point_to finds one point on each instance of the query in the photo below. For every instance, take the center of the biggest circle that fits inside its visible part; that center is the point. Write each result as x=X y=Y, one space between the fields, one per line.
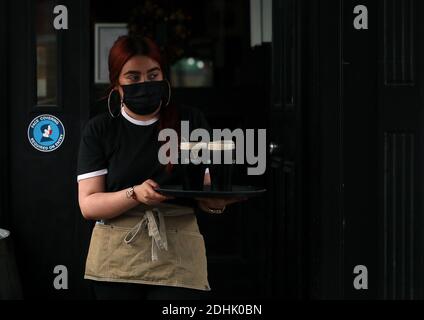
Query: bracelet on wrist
x=131 y=193
x=215 y=211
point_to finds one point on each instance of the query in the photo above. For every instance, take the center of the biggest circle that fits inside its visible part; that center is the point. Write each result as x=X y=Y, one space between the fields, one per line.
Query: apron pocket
x=110 y=257
x=191 y=253
x=97 y=253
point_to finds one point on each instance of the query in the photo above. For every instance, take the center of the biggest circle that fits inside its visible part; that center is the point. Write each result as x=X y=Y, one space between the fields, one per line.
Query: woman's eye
x=152 y=76
x=133 y=78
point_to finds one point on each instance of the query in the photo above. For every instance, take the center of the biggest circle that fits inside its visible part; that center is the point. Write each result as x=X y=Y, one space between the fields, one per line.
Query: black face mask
x=145 y=98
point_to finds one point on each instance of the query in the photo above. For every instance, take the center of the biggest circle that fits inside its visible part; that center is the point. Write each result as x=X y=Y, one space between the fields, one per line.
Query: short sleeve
x=91 y=156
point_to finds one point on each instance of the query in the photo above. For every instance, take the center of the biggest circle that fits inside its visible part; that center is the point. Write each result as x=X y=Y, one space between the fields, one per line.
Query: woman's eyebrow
x=153 y=69
x=132 y=72
x=138 y=72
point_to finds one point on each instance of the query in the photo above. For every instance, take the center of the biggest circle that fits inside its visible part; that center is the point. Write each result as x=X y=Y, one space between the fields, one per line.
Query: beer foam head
x=193 y=145
x=221 y=145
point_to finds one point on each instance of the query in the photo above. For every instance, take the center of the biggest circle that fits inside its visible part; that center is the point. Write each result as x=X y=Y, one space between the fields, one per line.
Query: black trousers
x=132 y=291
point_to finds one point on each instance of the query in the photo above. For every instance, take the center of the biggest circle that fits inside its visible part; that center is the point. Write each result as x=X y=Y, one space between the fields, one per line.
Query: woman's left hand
x=217 y=203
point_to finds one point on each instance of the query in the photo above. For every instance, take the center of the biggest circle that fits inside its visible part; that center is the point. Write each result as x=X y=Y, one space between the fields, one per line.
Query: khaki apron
x=158 y=245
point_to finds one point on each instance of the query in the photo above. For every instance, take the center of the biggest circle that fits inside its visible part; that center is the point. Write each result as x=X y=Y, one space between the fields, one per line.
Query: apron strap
x=157 y=233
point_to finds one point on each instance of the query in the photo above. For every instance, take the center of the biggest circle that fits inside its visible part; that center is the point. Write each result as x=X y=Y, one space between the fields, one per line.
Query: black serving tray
x=237 y=191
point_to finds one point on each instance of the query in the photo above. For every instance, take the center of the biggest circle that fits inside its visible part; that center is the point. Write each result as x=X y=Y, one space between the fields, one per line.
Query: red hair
x=126 y=47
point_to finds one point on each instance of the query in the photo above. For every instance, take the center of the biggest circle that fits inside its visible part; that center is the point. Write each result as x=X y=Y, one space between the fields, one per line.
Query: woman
x=144 y=244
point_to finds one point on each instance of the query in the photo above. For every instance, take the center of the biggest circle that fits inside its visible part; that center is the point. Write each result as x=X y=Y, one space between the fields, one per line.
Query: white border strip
x=91 y=174
x=97 y=50
x=255 y=23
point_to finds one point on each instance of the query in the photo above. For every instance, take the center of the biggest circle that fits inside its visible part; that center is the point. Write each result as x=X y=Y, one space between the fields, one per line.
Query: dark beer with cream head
x=193 y=169
x=222 y=156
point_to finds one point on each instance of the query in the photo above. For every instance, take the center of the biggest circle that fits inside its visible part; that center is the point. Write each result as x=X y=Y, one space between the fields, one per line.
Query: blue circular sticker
x=46 y=133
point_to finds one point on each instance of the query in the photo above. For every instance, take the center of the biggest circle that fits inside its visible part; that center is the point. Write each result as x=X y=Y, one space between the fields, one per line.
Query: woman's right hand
x=146 y=194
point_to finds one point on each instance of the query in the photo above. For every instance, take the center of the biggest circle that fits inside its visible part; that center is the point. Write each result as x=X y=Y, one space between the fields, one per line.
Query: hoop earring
x=169 y=92
x=160 y=104
x=108 y=105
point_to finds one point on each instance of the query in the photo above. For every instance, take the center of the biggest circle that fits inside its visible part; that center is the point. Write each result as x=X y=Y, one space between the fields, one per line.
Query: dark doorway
x=234 y=94
x=342 y=108
x=55 y=70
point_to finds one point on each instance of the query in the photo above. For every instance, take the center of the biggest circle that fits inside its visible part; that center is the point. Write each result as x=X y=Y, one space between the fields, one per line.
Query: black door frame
x=338 y=233
x=289 y=176
x=306 y=120
x=74 y=81
x=4 y=123
x=325 y=105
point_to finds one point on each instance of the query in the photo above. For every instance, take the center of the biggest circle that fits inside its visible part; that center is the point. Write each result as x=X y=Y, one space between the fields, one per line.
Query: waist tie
x=157 y=233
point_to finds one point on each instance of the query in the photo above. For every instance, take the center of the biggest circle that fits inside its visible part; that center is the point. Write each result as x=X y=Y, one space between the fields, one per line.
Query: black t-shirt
x=126 y=150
